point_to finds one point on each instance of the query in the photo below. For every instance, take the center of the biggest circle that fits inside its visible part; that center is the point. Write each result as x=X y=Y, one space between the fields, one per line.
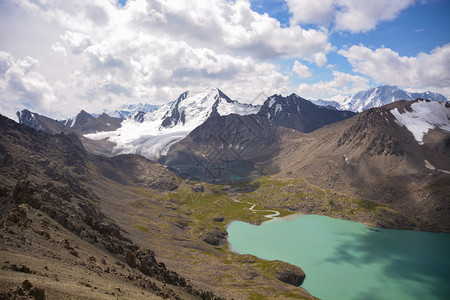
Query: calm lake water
x=346 y=260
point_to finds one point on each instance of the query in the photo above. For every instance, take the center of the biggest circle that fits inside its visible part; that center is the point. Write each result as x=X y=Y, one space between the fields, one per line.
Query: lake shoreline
x=351 y=251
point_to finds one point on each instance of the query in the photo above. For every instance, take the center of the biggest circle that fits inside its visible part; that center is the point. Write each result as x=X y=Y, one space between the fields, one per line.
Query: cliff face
x=300 y=114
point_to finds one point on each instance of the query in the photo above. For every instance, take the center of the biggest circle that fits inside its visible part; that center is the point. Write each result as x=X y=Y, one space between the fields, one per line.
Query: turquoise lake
x=344 y=260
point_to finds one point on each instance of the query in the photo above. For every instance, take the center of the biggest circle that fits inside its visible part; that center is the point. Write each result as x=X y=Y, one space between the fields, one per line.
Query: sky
x=58 y=57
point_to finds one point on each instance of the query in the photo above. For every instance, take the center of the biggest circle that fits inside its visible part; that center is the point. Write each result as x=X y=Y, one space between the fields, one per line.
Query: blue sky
x=57 y=57
x=419 y=28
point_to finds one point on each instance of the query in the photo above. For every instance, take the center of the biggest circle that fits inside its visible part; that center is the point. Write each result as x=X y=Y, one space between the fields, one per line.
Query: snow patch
x=429 y=166
x=271 y=101
x=226 y=108
x=278 y=108
x=424 y=116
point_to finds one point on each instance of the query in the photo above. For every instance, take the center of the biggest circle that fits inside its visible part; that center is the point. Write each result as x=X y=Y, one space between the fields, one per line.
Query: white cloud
x=232 y=25
x=76 y=41
x=341 y=85
x=346 y=15
x=20 y=83
x=387 y=66
x=320 y=59
x=301 y=70
x=58 y=48
x=152 y=50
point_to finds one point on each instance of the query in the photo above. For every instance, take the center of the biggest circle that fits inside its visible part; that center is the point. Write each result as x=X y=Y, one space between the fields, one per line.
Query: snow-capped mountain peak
x=193 y=106
x=152 y=134
x=377 y=97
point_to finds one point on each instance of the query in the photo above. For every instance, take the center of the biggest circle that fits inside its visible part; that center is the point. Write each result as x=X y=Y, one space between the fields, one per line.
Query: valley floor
x=186 y=228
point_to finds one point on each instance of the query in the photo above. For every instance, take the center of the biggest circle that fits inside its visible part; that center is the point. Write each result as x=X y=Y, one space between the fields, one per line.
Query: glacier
x=170 y=123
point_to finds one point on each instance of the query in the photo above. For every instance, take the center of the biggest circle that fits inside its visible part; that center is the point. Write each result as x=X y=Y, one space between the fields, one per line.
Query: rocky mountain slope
x=374 y=156
x=377 y=97
x=300 y=114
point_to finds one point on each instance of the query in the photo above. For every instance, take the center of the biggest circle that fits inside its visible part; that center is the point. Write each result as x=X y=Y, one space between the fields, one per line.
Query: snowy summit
x=377 y=97
x=157 y=130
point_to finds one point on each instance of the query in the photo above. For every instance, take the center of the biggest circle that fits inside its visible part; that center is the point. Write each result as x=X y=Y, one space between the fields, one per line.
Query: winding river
x=348 y=260
x=273 y=213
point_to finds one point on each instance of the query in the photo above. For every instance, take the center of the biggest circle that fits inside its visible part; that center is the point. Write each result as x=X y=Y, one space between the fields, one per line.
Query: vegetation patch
x=142 y=228
x=369 y=205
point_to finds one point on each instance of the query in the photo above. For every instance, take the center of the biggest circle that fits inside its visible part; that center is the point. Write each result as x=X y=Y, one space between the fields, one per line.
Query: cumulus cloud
x=346 y=15
x=301 y=70
x=58 y=48
x=231 y=24
x=431 y=70
x=76 y=41
x=21 y=83
x=342 y=84
x=152 y=50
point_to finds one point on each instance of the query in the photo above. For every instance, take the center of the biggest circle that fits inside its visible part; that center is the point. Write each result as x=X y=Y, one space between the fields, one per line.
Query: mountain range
x=144 y=201
x=153 y=133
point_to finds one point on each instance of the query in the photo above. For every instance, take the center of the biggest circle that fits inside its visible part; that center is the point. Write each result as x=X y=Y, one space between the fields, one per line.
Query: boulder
x=198 y=188
x=287 y=273
x=214 y=236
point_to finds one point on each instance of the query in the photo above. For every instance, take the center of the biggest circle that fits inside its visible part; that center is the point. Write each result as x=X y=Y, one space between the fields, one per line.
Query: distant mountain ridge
x=127 y=110
x=377 y=97
x=82 y=123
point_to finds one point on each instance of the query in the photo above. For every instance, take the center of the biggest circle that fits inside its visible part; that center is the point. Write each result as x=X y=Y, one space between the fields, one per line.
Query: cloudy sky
x=57 y=56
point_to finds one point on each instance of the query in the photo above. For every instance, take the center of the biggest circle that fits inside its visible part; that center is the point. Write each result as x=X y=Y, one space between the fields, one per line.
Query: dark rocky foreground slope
x=52 y=225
